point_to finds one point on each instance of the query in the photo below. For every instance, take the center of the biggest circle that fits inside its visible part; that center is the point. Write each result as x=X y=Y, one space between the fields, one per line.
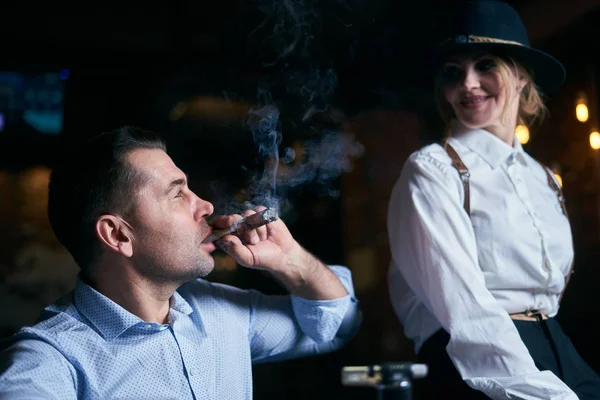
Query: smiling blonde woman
x=480 y=239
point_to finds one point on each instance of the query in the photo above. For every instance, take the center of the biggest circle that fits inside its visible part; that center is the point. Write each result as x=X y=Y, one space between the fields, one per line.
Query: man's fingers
x=233 y=246
x=225 y=221
x=250 y=237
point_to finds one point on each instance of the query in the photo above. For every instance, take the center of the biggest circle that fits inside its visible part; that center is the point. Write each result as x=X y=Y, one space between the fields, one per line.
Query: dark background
x=192 y=70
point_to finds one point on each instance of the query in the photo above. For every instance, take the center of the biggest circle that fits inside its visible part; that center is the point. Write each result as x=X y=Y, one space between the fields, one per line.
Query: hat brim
x=548 y=73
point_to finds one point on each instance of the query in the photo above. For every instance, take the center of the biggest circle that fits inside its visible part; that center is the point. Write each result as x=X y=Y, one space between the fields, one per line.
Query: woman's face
x=473 y=86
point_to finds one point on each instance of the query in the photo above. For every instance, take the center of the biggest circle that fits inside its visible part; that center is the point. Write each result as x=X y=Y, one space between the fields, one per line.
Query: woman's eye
x=485 y=65
x=451 y=74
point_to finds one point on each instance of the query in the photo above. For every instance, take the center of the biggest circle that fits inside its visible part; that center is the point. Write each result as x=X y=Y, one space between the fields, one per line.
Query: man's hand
x=272 y=248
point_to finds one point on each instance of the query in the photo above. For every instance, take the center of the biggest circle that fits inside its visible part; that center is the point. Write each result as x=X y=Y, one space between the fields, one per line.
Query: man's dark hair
x=91 y=180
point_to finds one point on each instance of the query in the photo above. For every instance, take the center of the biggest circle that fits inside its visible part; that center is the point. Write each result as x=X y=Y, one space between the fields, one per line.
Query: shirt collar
x=519 y=151
x=488 y=146
x=108 y=317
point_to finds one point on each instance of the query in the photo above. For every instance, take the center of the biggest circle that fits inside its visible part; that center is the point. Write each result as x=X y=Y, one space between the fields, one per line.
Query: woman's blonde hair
x=532 y=109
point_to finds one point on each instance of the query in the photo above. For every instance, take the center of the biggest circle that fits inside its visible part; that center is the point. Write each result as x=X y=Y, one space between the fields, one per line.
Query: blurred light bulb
x=522 y=133
x=595 y=140
x=581 y=112
x=558 y=178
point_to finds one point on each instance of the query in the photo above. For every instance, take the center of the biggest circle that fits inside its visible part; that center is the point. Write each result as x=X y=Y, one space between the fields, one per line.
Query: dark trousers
x=548 y=345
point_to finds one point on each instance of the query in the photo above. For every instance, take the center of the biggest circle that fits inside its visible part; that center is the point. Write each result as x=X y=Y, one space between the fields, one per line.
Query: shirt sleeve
x=284 y=327
x=34 y=370
x=433 y=244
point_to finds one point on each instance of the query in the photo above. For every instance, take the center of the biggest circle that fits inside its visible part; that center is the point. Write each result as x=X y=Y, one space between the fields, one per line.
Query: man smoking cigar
x=142 y=322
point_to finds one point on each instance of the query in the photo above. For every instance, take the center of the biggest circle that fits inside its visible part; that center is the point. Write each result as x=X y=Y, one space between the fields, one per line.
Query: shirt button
x=191 y=372
x=148 y=326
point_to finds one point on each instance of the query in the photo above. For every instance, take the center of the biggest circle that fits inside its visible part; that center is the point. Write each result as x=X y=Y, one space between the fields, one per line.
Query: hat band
x=460 y=39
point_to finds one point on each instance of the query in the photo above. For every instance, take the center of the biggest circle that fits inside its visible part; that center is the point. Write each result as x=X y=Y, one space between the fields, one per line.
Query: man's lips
x=210 y=246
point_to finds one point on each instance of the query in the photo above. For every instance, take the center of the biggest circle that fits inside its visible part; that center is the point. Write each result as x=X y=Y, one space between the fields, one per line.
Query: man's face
x=169 y=222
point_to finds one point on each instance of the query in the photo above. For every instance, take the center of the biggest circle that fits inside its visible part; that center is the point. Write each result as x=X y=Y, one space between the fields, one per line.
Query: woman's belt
x=529 y=315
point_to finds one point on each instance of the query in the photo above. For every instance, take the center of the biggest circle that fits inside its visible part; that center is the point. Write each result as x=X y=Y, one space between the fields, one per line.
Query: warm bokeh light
x=224 y=263
x=581 y=112
x=522 y=133
x=558 y=178
x=210 y=108
x=595 y=140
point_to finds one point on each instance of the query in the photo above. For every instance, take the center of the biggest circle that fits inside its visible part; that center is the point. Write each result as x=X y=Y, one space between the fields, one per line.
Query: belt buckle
x=534 y=314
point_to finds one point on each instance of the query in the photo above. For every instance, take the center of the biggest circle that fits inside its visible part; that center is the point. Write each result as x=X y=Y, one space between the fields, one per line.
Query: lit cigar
x=247 y=224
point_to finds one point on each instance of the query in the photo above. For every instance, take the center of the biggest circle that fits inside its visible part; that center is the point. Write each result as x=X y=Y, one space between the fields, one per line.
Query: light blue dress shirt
x=88 y=347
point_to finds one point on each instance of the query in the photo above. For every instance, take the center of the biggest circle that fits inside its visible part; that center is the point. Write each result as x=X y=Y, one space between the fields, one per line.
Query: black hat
x=496 y=27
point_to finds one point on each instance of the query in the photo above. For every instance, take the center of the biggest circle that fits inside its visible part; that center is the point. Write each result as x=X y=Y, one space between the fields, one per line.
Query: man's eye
x=485 y=64
x=179 y=194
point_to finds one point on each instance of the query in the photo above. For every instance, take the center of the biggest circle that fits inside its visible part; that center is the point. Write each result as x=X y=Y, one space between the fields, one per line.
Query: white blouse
x=466 y=274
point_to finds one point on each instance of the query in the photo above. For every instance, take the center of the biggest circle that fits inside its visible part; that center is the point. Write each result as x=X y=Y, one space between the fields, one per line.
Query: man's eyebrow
x=176 y=183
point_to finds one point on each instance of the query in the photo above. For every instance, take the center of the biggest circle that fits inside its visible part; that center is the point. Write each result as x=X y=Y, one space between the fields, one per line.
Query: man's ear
x=115 y=233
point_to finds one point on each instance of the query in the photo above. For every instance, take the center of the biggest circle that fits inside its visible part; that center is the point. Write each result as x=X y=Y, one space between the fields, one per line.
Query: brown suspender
x=554 y=185
x=465 y=175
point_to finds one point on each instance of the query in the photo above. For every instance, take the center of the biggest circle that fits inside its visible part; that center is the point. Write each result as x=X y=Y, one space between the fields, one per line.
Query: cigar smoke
x=308 y=81
x=247 y=224
x=266 y=131
x=298 y=72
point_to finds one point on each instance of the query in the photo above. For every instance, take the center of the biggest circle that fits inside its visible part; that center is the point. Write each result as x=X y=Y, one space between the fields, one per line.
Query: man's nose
x=203 y=210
